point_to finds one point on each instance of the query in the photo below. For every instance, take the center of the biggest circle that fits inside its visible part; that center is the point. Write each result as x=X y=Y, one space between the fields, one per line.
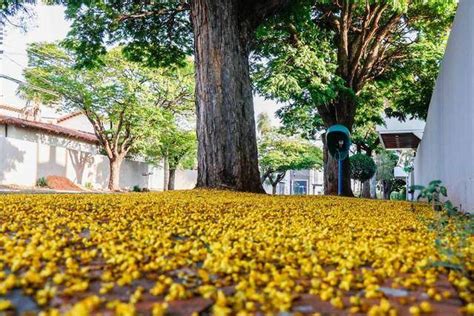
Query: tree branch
x=144 y=14
x=377 y=42
x=255 y=12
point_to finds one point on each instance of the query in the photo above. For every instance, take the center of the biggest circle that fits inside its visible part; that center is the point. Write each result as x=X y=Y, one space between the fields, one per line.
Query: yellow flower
x=159 y=309
x=201 y=244
x=337 y=302
x=5 y=304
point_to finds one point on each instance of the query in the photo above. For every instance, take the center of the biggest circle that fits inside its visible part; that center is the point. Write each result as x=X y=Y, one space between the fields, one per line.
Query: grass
x=223 y=253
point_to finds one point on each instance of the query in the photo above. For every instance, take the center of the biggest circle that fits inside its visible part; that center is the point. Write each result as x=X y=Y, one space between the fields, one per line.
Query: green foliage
x=399 y=195
x=41 y=182
x=136 y=188
x=432 y=193
x=454 y=231
x=177 y=145
x=362 y=167
x=298 y=61
x=386 y=161
x=264 y=124
x=88 y=186
x=125 y=102
x=295 y=63
x=279 y=154
x=13 y=9
x=156 y=33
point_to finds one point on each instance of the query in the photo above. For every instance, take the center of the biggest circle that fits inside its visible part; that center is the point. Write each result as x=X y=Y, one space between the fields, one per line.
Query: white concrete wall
x=78 y=123
x=17 y=162
x=9 y=112
x=185 y=179
x=447 y=149
x=26 y=155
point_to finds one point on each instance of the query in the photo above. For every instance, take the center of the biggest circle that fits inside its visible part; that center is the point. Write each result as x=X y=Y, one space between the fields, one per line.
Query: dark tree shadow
x=101 y=174
x=51 y=167
x=11 y=155
x=79 y=160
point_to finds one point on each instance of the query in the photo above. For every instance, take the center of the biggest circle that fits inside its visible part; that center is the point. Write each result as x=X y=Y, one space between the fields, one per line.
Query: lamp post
x=338 y=140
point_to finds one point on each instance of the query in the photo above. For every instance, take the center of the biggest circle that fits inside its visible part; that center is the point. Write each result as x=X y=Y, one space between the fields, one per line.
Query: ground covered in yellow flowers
x=223 y=253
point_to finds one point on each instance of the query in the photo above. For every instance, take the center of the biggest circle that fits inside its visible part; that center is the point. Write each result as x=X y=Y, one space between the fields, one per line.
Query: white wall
x=185 y=179
x=26 y=155
x=17 y=161
x=78 y=123
x=447 y=149
x=9 y=112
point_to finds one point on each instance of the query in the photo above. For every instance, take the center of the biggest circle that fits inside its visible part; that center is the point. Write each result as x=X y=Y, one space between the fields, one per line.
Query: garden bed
x=223 y=253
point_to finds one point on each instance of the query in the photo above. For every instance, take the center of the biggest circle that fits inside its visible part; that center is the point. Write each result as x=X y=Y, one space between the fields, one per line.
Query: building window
x=300 y=187
x=281 y=188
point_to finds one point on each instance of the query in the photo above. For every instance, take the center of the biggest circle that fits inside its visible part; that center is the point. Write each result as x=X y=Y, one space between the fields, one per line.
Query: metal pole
x=339 y=177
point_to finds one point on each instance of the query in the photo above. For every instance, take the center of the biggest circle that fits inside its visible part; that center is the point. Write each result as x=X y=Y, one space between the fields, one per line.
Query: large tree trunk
x=172 y=176
x=227 y=151
x=114 y=177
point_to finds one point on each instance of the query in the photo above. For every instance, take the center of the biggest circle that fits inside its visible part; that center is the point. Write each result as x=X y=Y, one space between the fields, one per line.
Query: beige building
x=32 y=147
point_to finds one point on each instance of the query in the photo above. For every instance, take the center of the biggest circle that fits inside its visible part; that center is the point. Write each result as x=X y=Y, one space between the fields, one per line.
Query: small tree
x=386 y=162
x=177 y=148
x=279 y=154
x=362 y=167
x=125 y=102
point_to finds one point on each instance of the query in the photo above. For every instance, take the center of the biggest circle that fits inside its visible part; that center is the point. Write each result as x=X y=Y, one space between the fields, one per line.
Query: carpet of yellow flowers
x=222 y=253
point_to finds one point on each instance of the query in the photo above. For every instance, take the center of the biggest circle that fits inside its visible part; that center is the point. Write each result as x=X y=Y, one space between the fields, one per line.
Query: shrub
x=41 y=182
x=89 y=186
x=432 y=193
x=399 y=195
x=363 y=167
x=136 y=188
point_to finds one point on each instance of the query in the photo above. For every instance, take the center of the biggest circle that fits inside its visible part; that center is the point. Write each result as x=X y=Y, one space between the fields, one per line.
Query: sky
x=49 y=25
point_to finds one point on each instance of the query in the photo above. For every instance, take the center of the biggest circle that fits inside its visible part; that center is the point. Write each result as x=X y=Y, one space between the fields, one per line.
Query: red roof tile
x=49 y=129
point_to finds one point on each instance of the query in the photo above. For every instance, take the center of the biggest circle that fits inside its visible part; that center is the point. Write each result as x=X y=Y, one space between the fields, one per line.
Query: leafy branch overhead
x=126 y=103
x=328 y=60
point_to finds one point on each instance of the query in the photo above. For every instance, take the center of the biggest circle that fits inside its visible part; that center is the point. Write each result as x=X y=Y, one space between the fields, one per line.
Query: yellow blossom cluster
x=224 y=253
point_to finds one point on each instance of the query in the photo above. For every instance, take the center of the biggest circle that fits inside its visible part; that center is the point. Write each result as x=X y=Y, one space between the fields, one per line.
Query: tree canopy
x=362 y=167
x=337 y=61
x=279 y=154
x=125 y=102
x=219 y=34
x=177 y=147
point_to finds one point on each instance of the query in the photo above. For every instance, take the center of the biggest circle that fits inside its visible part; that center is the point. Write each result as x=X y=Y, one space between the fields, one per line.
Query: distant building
x=299 y=182
x=32 y=147
x=401 y=137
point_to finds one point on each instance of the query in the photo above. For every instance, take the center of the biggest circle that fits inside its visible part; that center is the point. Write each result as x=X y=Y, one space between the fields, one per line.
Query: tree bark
x=366 y=189
x=387 y=187
x=171 y=178
x=274 y=188
x=114 y=178
x=165 y=173
x=227 y=147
